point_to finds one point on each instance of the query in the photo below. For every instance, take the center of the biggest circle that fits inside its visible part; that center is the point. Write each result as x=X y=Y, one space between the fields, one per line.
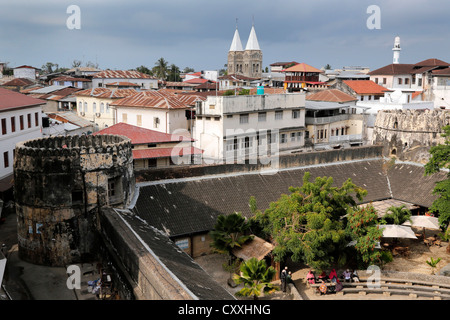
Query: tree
x=160 y=69
x=173 y=73
x=49 y=67
x=396 y=215
x=188 y=70
x=440 y=159
x=327 y=67
x=256 y=277
x=433 y=264
x=307 y=223
x=76 y=63
x=145 y=70
x=362 y=228
x=229 y=232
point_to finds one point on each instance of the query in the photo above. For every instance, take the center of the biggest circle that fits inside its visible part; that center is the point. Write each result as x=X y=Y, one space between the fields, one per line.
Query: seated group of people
x=347 y=276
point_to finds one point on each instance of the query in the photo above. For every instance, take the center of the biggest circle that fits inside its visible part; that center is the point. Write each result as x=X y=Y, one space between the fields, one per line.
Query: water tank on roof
x=260 y=90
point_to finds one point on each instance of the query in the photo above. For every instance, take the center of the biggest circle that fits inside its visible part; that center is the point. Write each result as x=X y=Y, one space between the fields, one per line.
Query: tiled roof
x=106 y=93
x=445 y=72
x=365 y=87
x=192 y=206
x=67 y=78
x=121 y=74
x=12 y=100
x=197 y=81
x=152 y=153
x=158 y=99
x=122 y=84
x=282 y=64
x=139 y=135
x=331 y=95
x=393 y=69
x=302 y=67
x=18 y=82
x=236 y=77
x=432 y=63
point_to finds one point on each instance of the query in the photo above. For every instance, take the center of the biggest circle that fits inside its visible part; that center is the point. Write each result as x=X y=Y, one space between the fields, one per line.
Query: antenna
x=236 y=23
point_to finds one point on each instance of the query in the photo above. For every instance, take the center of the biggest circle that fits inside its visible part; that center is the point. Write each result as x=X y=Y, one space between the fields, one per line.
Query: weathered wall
x=275 y=163
x=60 y=182
x=409 y=134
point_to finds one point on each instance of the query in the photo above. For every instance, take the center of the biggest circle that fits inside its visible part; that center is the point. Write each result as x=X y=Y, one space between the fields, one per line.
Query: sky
x=123 y=35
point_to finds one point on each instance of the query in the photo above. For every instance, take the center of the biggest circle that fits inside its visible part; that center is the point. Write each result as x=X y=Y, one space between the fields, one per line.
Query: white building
x=20 y=120
x=145 y=81
x=25 y=72
x=249 y=126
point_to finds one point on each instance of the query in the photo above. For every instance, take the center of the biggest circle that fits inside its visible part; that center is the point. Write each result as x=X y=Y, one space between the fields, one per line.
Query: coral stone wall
x=409 y=134
x=60 y=183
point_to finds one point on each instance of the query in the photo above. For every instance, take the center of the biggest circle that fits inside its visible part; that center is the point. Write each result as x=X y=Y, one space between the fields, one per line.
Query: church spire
x=236 y=44
x=252 y=43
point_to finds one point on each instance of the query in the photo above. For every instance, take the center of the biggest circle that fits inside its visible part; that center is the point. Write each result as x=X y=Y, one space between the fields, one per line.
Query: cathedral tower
x=246 y=62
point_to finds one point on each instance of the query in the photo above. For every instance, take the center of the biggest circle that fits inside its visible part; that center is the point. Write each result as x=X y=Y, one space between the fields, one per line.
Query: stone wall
x=292 y=160
x=59 y=184
x=409 y=134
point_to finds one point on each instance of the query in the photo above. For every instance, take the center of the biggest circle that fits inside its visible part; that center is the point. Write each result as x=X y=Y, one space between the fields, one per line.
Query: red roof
x=164 y=152
x=14 y=100
x=331 y=95
x=302 y=67
x=197 y=80
x=432 y=63
x=139 y=135
x=107 y=93
x=365 y=87
x=18 y=82
x=122 y=74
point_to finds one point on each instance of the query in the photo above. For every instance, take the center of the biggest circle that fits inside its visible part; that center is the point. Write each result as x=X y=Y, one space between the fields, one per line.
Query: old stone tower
x=60 y=184
x=246 y=62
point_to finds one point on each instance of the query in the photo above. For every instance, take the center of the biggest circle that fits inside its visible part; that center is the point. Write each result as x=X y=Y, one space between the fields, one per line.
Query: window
x=413 y=81
x=278 y=115
x=376 y=80
x=107 y=107
x=283 y=138
x=299 y=136
x=139 y=120
x=295 y=114
x=406 y=80
x=21 y=122
x=102 y=107
x=293 y=136
x=400 y=80
x=124 y=118
x=229 y=116
x=212 y=106
x=6 y=159
x=384 y=80
x=13 y=124
x=262 y=116
x=29 y=120
x=419 y=82
x=4 y=131
x=36 y=119
x=243 y=118
x=85 y=107
x=152 y=163
x=155 y=122
x=94 y=107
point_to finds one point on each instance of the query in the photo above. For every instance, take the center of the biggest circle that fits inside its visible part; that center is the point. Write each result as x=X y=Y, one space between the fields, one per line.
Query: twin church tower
x=248 y=62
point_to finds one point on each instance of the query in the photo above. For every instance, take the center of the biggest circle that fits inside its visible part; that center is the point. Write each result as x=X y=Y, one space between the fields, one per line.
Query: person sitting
x=347 y=276
x=333 y=276
x=311 y=277
x=355 y=277
x=323 y=288
x=323 y=276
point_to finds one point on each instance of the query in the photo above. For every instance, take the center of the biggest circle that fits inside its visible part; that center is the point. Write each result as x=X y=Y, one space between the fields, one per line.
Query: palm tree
x=160 y=69
x=397 y=215
x=256 y=277
x=229 y=232
x=174 y=73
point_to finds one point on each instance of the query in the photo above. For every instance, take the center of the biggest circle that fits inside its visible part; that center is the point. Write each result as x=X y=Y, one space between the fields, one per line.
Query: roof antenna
x=253 y=20
x=236 y=22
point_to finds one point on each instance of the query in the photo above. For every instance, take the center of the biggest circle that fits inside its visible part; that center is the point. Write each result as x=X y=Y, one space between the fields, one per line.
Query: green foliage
x=228 y=93
x=362 y=227
x=145 y=70
x=307 y=224
x=256 y=277
x=396 y=215
x=161 y=68
x=433 y=263
x=244 y=92
x=440 y=159
x=229 y=232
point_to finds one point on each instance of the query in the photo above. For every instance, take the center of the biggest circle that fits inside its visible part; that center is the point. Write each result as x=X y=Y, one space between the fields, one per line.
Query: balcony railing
x=349 y=137
x=325 y=120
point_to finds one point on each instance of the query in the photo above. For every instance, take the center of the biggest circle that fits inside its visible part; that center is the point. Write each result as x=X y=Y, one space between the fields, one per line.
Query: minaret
x=396 y=50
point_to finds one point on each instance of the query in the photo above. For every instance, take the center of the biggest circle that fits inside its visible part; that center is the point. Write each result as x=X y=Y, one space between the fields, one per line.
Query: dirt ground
x=415 y=262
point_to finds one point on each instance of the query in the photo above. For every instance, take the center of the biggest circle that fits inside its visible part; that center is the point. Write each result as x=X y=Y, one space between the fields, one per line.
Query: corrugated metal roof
x=152 y=153
x=12 y=100
x=121 y=74
x=158 y=99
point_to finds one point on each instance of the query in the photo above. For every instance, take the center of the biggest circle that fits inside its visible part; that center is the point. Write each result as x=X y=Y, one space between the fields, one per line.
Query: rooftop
x=139 y=135
x=10 y=100
x=158 y=99
x=121 y=74
x=365 y=87
x=302 y=67
x=18 y=82
x=106 y=93
x=331 y=95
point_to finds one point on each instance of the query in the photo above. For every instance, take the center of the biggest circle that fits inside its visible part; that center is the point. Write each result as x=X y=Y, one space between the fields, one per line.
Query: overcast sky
x=198 y=33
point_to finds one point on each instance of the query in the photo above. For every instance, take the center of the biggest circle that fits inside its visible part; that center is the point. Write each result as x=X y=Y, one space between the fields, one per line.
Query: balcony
x=325 y=120
x=345 y=138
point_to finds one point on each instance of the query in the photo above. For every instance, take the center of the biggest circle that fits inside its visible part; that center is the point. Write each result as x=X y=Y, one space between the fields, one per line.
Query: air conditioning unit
x=82 y=114
x=98 y=115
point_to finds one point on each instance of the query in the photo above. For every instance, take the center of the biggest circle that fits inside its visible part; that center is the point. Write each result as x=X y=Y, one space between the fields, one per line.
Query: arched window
x=85 y=107
x=107 y=107
x=94 y=107
x=102 y=107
